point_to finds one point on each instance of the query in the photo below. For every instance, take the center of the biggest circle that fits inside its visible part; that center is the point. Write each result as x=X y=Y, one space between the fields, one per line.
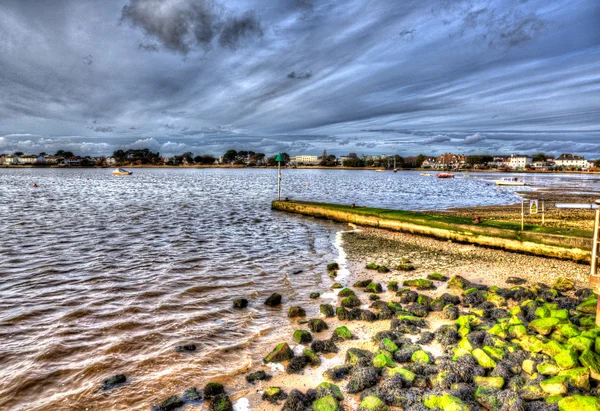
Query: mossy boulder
x=357 y=356
x=405 y=267
x=363 y=378
x=374 y=288
x=372 y=266
x=579 y=403
x=591 y=360
x=555 y=386
x=581 y=343
x=345 y=292
x=302 y=336
x=313 y=358
x=273 y=300
x=333 y=266
x=420 y=284
x=383 y=269
x=327 y=403
x=392 y=286
x=296 y=311
x=458 y=283
x=548 y=368
x=257 y=376
x=317 y=325
x=445 y=402
x=326 y=388
x=372 y=403
x=406 y=374
x=335 y=286
x=350 y=301
x=342 y=333
x=420 y=357
x=388 y=345
x=362 y=283
x=588 y=306
x=567 y=330
x=493 y=352
x=489 y=382
x=543 y=326
x=382 y=360
x=566 y=359
x=517 y=331
x=170 y=404
x=483 y=359
x=240 y=303
x=327 y=310
x=531 y=344
x=274 y=395
x=282 y=352
x=577 y=377
x=315 y=295
x=221 y=403
x=563 y=284
x=437 y=277
x=192 y=394
x=552 y=348
x=562 y=315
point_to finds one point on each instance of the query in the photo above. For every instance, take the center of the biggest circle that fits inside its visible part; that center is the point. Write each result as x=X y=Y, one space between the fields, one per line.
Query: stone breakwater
x=461 y=230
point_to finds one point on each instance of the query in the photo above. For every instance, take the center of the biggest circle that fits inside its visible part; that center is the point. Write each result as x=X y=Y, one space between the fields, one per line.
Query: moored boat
x=444 y=175
x=121 y=172
x=510 y=181
x=426 y=174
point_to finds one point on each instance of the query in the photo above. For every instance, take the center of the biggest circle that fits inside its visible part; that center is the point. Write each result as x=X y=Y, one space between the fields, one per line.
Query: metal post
x=279 y=181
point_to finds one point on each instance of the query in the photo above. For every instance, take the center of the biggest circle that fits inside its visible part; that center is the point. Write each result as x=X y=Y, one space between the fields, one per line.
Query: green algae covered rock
x=543 y=326
x=488 y=398
x=345 y=292
x=327 y=403
x=372 y=403
x=562 y=315
x=517 y=331
x=362 y=283
x=531 y=344
x=335 y=286
x=567 y=330
x=563 y=284
x=555 y=386
x=313 y=358
x=552 y=348
x=496 y=299
x=382 y=360
x=273 y=395
x=420 y=357
x=354 y=356
x=579 y=403
x=458 y=283
x=221 y=403
x=350 y=301
x=577 y=377
x=389 y=345
x=489 y=382
x=302 y=336
x=528 y=366
x=374 y=288
x=315 y=295
x=591 y=360
x=588 y=306
x=566 y=359
x=496 y=353
x=420 y=283
x=342 y=333
x=498 y=330
x=326 y=388
x=372 y=266
x=581 y=343
x=542 y=312
x=296 y=312
x=548 y=368
x=170 y=403
x=327 y=310
x=437 y=277
x=282 y=352
x=317 y=325
x=445 y=402
x=333 y=266
x=483 y=359
x=406 y=375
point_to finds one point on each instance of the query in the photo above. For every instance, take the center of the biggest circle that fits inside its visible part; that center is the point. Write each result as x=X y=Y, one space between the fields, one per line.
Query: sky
x=300 y=76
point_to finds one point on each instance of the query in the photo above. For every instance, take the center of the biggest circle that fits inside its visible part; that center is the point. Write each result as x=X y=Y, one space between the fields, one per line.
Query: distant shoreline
x=239 y=166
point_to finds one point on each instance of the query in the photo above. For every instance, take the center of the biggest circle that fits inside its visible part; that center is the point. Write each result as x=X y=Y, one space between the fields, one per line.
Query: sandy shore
x=479 y=265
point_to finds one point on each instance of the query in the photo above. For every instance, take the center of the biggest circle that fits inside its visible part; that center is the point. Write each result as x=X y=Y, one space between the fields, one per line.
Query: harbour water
x=102 y=275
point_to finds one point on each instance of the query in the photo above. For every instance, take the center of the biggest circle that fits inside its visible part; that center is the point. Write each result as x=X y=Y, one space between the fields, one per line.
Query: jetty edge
x=538 y=240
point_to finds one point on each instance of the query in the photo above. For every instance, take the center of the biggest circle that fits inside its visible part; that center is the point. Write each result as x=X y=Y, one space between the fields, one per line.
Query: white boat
x=380 y=170
x=510 y=181
x=426 y=174
x=121 y=172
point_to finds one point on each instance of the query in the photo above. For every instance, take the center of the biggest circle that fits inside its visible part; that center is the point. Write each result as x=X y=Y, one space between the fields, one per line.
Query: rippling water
x=102 y=275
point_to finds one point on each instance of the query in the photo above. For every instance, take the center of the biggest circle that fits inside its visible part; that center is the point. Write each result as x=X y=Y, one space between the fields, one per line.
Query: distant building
x=571 y=161
x=27 y=160
x=518 y=162
x=307 y=160
x=73 y=161
x=543 y=165
x=449 y=161
x=110 y=161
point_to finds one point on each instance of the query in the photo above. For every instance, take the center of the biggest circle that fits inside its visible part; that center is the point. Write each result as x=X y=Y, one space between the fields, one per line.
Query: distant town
x=446 y=161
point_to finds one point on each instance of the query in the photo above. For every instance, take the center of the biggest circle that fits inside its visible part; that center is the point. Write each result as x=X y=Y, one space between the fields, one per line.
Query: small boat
x=380 y=170
x=510 y=181
x=121 y=172
x=426 y=174
x=444 y=175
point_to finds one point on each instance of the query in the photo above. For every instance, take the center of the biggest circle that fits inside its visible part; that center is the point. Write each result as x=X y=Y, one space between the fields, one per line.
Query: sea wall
x=547 y=245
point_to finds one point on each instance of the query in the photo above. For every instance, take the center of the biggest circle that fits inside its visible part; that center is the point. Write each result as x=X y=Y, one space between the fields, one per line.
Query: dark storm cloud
x=300 y=76
x=185 y=25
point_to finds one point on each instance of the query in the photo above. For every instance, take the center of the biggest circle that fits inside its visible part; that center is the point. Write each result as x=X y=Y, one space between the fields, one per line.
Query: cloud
x=150 y=47
x=186 y=25
x=474 y=138
x=437 y=139
x=104 y=129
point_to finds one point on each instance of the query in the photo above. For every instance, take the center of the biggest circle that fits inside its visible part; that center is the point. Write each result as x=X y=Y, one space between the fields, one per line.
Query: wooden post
x=543 y=213
x=522 y=215
x=594 y=278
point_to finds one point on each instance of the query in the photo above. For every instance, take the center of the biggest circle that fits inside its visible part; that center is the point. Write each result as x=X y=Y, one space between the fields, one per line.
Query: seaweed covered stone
x=345 y=292
x=296 y=401
x=420 y=284
x=302 y=336
x=374 y=288
x=113 y=381
x=317 y=325
x=324 y=346
x=282 y=352
x=327 y=310
x=326 y=388
x=338 y=372
x=372 y=403
x=192 y=395
x=351 y=301
x=274 y=395
x=296 y=311
x=363 y=378
x=240 y=303
x=342 y=334
x=257 y=376
x=327 y=403
x=169 y=404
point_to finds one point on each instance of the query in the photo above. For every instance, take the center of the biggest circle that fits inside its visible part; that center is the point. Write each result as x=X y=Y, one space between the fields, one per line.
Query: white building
x=307 y=160
x=27 y=160
x=571 y=161
x=518 y=162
